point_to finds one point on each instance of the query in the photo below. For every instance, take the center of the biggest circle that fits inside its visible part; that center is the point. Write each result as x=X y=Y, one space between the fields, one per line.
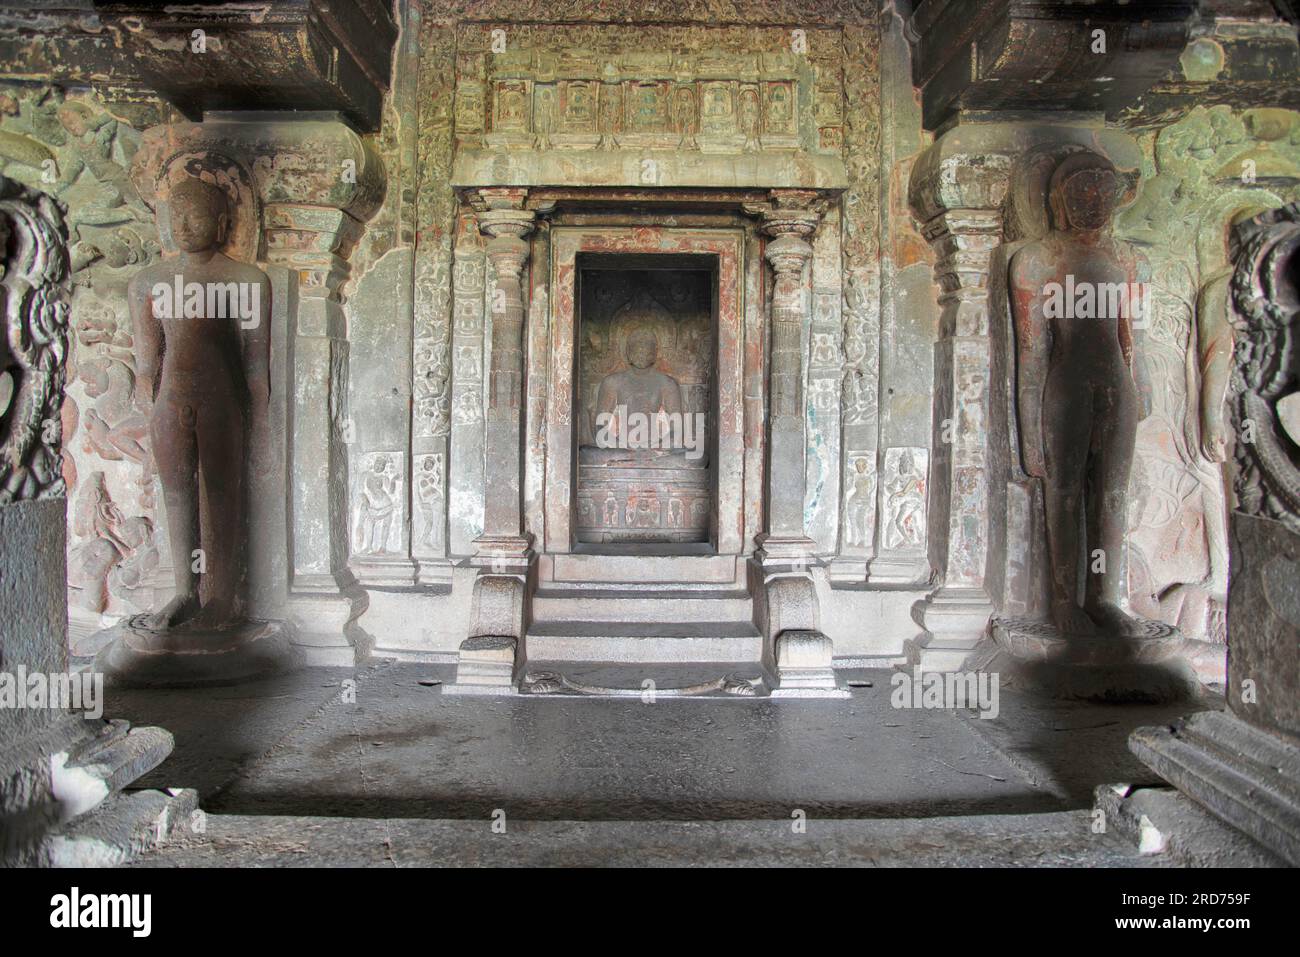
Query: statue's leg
x=1112 y=463
x=175 y=452
x=1067 y=424
x=221 y=453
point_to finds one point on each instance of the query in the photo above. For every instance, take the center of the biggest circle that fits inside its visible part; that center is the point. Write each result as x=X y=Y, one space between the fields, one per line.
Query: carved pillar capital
x=790 y=216
x=788 y=253
x=506 y=248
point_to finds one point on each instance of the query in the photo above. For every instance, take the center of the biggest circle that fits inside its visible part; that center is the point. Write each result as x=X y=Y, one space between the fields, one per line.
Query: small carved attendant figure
x=428 y=485
x=188 y=312
x=378 y=506
x=684 y=118
x=1073 y=304
x=906 y=505
x=859 y=503
x=749 y=119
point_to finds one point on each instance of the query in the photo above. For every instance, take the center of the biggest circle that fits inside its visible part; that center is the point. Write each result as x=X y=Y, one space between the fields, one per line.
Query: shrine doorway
x=646 y=401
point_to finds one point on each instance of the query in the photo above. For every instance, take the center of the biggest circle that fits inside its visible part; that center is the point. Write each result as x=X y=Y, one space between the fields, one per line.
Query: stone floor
x=294 y=771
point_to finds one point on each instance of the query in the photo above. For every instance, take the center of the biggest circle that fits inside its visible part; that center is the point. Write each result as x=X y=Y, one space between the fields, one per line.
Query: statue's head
x=200 y=215
x=75 y=117
x=642 y=349
x=1084 y=192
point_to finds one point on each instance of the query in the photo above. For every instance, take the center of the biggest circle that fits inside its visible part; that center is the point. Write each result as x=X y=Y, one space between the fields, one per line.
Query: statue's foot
x=1113 y=621
x=1217 y=620
x=1071 y=619
x=176 y=612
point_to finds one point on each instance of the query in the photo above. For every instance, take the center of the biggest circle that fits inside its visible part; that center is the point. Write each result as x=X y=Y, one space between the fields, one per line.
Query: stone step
x=123 y=827
x=647 y=681
x=554 y=603
x=648 y=567
x=108 y=760
x=644 y=642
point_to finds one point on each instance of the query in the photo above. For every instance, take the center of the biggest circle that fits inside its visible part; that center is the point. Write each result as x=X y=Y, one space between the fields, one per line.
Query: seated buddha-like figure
x=638 y=418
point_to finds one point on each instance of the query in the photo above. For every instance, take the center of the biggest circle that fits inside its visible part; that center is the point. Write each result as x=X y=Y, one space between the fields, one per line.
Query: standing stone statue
x=1074 y=294
x=203 y=354
x=188 y=312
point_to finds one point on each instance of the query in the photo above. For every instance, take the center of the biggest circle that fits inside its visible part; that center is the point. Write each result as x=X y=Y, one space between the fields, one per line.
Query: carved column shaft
x=505 y=224
x=789 y=254
x=790 y=221
x=507 y=253
x=965 y=241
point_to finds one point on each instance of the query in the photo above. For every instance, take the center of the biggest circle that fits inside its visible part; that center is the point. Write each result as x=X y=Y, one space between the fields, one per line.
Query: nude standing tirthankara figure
x=201 y=322
x=1074 y=296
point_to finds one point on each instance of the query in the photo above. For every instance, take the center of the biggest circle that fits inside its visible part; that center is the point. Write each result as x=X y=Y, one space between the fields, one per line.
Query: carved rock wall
x=1200 y=173
x=71 y=146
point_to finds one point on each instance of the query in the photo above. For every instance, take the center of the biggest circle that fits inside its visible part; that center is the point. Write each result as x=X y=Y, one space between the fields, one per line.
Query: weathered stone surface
x=54 y=766
x=389 y=257
x=1011 y=54
x=1212 y=168
x=1244 y=775
x=282 y=55
x=1244 y=764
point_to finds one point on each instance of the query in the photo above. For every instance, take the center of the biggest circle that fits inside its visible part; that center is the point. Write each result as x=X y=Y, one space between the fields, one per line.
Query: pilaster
x=963 y=221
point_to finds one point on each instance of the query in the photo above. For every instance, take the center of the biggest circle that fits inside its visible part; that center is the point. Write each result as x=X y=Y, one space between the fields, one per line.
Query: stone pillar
x=790 y=221
x=503 y=552
x=958 y=198
x=786 y=602
x=313 y=243
x=505 y=223
x=1243 y=764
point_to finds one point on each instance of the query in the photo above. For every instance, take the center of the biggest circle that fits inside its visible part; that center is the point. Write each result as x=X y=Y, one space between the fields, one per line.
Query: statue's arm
x=603 y=414
x=1139 y=276
x=672 y=397
x=1214 y=350
x=148 y=334
x=1033 y=352
x=257 y=347
x=670 y=401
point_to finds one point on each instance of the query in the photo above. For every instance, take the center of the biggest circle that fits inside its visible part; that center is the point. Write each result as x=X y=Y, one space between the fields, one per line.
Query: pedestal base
x=485 y=664
x=1244 y=775
x=955 y=621
x=803 y=666
x=1035 y=655
x=186 y=657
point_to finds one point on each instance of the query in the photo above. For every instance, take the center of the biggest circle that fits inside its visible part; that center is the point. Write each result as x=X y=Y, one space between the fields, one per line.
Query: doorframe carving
x=737 y=363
